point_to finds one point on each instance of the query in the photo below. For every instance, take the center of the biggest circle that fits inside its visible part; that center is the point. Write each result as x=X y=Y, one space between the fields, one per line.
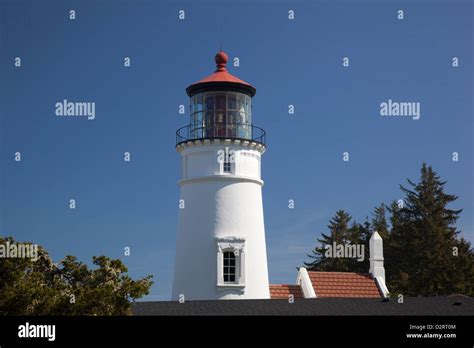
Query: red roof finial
x=221 y=61
x=220 y=78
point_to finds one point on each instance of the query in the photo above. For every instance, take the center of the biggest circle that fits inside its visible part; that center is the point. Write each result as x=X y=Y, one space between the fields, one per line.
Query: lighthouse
x=220 y=245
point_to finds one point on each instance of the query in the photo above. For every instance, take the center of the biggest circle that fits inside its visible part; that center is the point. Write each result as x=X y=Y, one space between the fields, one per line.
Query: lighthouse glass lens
x=241 y=102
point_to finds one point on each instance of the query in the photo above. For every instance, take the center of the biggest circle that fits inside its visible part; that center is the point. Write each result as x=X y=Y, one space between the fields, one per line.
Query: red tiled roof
x=283 y=291
x=344 y=284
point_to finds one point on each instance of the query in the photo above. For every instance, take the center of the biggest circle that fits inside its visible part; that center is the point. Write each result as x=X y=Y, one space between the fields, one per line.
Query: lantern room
x=220 y=108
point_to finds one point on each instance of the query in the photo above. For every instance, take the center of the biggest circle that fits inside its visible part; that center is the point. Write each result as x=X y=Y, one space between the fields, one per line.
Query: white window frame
x=237 y=246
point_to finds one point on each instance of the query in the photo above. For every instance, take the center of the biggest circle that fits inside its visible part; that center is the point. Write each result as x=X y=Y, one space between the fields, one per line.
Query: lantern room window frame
x=221 y=114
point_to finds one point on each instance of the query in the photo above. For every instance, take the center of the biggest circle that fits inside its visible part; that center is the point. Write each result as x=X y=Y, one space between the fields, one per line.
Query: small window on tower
x=226 y=167
x=231 y=263
x=229 y=267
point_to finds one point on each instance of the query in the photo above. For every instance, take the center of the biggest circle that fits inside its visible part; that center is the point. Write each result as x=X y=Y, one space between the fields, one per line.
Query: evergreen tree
x=339 y=230
x=359 y=235
x=424 y=243
x=379 y=222
x=464 y=267
x=395 y=251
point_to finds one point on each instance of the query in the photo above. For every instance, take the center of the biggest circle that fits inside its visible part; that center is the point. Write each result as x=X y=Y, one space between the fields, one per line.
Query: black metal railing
x=221 y=131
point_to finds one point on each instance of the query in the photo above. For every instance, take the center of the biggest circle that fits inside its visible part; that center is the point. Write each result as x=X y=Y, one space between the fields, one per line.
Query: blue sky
x=295 y=62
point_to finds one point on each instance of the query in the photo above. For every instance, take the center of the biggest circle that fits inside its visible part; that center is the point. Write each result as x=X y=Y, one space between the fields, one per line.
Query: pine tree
x=379 y=221
x=339 y=230
x=359 y=234
x=398 y=261
x=423 y=241
x=464 y=267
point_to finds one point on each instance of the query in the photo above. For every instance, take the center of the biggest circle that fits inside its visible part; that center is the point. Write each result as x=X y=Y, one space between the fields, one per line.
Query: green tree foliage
x=427 y=257
x=341 y=232
x=424 y=254
x=41 y=287
x=379 y=221
x=338 y=233
x=359 y=234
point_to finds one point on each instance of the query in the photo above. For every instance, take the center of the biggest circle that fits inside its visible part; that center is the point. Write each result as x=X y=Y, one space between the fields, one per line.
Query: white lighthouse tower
x=220 y=249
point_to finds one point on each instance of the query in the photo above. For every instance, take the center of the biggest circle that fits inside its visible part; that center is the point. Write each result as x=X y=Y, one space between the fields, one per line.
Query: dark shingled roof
x=450 y=305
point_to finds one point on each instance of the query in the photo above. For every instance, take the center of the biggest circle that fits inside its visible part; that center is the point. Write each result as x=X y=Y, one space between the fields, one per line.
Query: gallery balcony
x=237 y=131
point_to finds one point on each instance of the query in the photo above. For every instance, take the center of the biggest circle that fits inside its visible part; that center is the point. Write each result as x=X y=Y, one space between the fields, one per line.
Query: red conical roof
x=221 y=79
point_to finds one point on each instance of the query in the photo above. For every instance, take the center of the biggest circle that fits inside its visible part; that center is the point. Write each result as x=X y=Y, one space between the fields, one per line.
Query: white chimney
x=376 y=261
